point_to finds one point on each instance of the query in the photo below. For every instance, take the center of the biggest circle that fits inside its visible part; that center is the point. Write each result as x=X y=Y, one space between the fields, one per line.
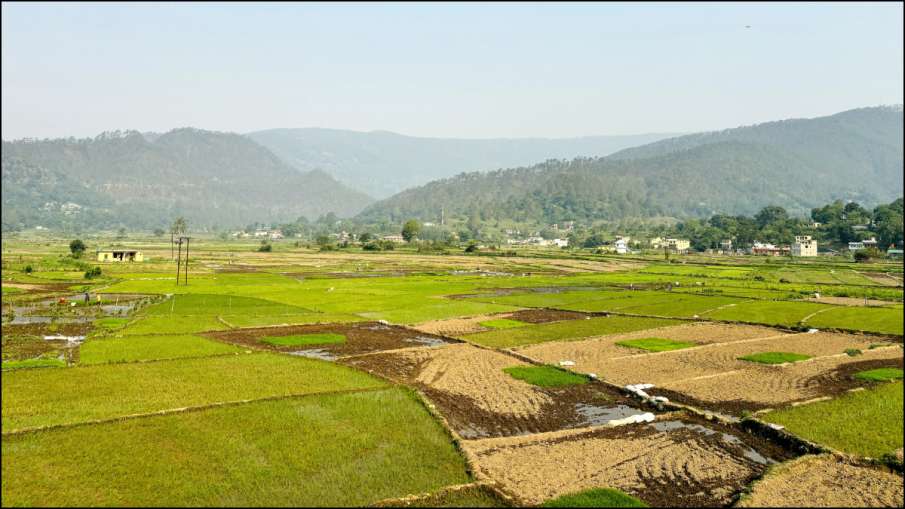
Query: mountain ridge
x=856 y=154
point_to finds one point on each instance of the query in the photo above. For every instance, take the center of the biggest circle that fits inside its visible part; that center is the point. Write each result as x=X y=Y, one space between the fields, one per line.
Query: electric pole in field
x=182 y=261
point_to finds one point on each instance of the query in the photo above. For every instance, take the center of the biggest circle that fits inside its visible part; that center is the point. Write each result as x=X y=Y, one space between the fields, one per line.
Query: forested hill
x=382 y=163
x=798 y=164
x=124 y=179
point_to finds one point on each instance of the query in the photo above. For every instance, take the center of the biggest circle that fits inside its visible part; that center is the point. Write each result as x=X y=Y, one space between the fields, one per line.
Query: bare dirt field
x=851 y=301
x=825 y=481
x=675 y=461
x=479 y=399
x=459 y=326
x=593 y=354
x=883 y=279
x=757 y=387
x=364 y=337
x=711 y=374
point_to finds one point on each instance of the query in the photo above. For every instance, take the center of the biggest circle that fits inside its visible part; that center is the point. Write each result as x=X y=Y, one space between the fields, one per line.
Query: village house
x=726 y=245
x=276 y=235
x=621 y=245
x=766 y=249
x=674 y=245
x=119 y=255
x=397 y=238
x=804 y=245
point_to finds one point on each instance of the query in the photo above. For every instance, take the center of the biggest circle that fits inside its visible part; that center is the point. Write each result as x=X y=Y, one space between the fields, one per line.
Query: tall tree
x=410 y=230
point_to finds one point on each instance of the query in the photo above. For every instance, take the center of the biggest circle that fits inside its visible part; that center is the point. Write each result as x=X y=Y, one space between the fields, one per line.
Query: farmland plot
x=476 y=395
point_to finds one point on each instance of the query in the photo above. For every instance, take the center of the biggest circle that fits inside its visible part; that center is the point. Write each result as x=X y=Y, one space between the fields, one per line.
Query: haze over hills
x=382 y=163
x=124 y=178
x=798 y=164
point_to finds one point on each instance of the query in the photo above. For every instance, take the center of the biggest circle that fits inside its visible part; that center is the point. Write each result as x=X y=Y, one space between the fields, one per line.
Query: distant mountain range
x=144 y=180
x=129 y=179
x=797 y=164
x=381 y=163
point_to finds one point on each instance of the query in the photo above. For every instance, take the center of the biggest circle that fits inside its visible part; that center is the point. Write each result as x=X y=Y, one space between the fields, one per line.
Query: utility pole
x=180 y=261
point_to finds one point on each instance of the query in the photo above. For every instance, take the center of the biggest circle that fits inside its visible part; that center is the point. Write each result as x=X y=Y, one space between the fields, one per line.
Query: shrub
x=93 y=273
x=28 y=269
x=471 y=248
x=851 y=352
x=265 y=247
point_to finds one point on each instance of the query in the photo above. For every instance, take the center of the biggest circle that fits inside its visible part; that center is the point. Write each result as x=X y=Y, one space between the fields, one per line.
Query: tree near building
x=77 y=247
x=410 y=230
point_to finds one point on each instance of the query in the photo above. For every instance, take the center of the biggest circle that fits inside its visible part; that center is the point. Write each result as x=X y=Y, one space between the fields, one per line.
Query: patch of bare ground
x=592 y=355
x=459 y=326
x=676 y=462
x=361 y=338
x=882 y=278
x=479 y=399
x=757 y=386
x=623 y=365
x=826 y=481
x=851 y=301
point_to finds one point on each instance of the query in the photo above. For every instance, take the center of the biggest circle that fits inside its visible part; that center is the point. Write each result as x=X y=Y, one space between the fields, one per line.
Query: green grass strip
x=545 y=376
x=598 y=497
x=774 y=357
x=880 y=374
x=656 y=344
x=40 y=362
x=305 y=339
x=502 y=323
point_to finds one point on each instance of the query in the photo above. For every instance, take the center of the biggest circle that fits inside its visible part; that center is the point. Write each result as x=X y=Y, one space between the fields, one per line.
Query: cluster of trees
x=839 y=224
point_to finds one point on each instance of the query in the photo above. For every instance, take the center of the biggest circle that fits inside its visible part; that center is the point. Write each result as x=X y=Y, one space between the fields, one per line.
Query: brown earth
x=479 y=399
x=676 y=465
x=882 y=279
x=826 y=481
x=593 y=354
x=759 y=386
x=623 y=365
x=361 y=337
x=852 y=301
x=459 y=326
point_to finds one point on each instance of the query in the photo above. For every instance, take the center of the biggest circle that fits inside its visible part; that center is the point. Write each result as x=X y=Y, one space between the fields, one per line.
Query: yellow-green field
x=126 y=400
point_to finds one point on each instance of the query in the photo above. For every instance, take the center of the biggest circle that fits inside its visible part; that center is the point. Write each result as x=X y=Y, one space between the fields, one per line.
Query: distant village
x=803 y=245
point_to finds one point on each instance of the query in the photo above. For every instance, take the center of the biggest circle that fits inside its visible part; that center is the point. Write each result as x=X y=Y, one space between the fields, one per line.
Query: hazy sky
x=453 y=70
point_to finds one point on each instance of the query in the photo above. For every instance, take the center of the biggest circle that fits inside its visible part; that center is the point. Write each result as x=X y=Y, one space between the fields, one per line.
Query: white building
x=804 y=245
x=621 y=245
x=561 y=242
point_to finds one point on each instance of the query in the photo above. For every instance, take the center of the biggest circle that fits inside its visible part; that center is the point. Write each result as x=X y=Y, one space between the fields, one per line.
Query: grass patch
x=567 y=330
x=305 y=339
x=873 y=319
x=774 y=357
x=110 y=323
x=545 y=376
x=502 y=323
x=40 y=362
x=868 y=423
x=320 y=450
x=880 y=375
x=143 y=348
x=65 y=396
x=598 y=497
x=656 y=344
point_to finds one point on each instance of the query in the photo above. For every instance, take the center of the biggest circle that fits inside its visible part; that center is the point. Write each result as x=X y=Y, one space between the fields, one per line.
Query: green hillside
x=124 y=179
x=798 y=164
